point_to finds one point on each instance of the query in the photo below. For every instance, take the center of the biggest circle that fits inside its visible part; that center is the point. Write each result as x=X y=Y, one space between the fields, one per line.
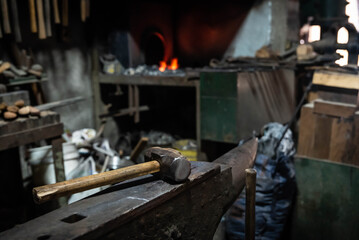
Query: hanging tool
x=83 y=10
x=15 y=19
x=0 y=30
x=40 y=18
x=48 y=18
x=65 y=13
x=55 y=5
x=87 y=8
x=33 y=23
x=171 y=164
x=5 y=16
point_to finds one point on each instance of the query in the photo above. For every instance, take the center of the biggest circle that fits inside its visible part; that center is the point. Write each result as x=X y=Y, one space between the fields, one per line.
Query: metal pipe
x=251 y=175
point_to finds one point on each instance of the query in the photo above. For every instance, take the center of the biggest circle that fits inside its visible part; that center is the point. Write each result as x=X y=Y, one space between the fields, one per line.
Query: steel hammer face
x=174 y=165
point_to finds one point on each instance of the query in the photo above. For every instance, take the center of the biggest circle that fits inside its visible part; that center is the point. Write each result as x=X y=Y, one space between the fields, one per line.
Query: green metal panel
x=327 y=205
x=218 y=106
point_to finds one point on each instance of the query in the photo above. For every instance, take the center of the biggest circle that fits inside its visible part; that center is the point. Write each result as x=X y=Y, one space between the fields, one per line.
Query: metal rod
x=251 y=175
x=308 y=88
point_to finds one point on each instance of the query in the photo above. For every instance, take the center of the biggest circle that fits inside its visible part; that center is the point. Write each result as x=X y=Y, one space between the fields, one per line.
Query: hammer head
x=174 y=165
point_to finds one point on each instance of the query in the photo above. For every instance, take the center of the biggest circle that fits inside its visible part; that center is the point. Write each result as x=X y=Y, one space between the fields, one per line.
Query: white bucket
x=42 y=163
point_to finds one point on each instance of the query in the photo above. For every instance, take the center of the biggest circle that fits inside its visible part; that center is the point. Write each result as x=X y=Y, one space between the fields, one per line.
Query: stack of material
x=329 y=130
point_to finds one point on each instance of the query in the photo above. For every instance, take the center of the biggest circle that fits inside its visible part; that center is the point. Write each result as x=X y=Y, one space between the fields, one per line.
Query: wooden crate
x=329 y=130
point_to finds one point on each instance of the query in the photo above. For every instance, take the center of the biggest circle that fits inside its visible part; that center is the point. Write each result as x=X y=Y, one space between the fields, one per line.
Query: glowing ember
x=163 y=66
x=174 y=64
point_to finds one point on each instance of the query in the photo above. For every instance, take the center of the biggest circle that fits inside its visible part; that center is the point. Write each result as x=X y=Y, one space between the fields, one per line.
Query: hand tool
x=250 y=226
x=0 y=30
x=15 y=19
x=48 y=18
x=33 y=24
x=56 y=11
x=65 y=13
x=83 y=10
x=4 y=66
x=168 y=163
x=139 y=148
x=5 y=16
x=40 y=18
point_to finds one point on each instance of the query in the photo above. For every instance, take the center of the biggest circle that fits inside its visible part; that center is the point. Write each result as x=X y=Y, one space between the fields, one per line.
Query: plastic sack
x=275 y=188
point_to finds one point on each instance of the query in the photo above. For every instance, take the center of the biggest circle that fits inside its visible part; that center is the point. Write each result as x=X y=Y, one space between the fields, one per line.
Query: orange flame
x=163 y=66
x=174 y=64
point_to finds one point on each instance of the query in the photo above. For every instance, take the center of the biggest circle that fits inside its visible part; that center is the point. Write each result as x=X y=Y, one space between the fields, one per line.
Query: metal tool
x=169 y=163
x=251 y=175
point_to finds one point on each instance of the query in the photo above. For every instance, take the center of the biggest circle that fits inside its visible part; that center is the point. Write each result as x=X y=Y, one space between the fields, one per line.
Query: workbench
x=14 y=134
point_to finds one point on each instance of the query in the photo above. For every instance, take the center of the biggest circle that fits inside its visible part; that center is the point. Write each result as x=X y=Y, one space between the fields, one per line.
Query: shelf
x=25 y=80
x=175 y=81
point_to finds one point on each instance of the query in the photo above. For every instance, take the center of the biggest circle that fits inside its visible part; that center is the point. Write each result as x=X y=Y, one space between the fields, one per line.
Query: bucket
x=42 y=163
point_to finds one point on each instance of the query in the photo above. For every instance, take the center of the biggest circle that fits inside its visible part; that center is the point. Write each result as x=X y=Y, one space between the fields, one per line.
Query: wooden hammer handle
x=33 y=22
x=56 y=190
x=40 y=18
x=5 y=15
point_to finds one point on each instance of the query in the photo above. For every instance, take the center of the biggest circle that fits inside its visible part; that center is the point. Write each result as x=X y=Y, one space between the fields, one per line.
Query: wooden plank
x=22 y=124
x=334 y=79
x=116 y=206
x=336 y=109
x=306 y=130
x=12 y=140
x=354 y=149
x=322 y=135
x=332 y=96
x=340 y=141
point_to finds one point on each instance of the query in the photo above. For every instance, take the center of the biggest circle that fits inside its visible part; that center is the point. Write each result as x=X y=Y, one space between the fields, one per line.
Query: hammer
x=168 y=163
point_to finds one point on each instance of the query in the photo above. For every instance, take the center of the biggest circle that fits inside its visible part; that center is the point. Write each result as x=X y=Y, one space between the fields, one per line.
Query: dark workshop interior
x=179 y=120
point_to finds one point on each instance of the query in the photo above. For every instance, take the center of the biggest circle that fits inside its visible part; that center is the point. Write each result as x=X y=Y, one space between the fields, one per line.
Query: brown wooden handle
x=56 y=190
x=15 y=19
x=83 y=10
x=56 y=11
x=33 y=23
x=40 y=18
x=65 y=13
x=139 y=148
x=5 y=15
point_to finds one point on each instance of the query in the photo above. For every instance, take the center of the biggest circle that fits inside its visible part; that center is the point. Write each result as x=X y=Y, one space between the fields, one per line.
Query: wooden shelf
x=26 y=80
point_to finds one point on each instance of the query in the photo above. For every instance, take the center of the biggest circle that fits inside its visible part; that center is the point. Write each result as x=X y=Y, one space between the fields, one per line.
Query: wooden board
x=322 y=136
x=306 y=130
x=335 y=109
x=333 y=96
x=25 y=123
x=340 y=141
x=334 y=79
x=105 y=213
x=327 y=137
x=27 y=130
